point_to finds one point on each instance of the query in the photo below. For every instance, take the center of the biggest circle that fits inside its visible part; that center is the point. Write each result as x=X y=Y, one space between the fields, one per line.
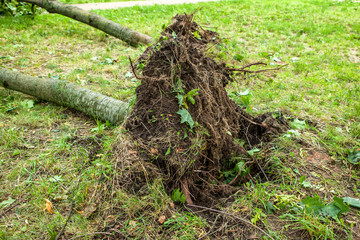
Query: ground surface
x=50 y=152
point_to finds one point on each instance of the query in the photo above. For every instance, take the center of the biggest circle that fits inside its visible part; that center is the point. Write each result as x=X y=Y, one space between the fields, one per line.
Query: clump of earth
x=183 y=120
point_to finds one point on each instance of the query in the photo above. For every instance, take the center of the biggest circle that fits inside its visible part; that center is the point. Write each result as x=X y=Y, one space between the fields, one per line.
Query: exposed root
x=183 y=120
x=186 y=192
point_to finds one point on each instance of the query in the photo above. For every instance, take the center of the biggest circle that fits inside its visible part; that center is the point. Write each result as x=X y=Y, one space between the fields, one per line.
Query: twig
x=212 y=227
x=262 y=170
x=231 y=215
x=14 y=204
x=254 y=160
x=246 y=66
x=263 y=124
x=256 y=71
x=238 y=174
x=133 y=70
x=67 y=220
x=88 y=234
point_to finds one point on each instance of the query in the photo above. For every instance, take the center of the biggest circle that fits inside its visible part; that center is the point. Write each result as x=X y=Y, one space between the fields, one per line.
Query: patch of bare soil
x=183 y=120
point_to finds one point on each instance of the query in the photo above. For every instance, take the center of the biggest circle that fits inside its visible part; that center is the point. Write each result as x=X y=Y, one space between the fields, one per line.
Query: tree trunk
x=66 y=94
x=128 y=35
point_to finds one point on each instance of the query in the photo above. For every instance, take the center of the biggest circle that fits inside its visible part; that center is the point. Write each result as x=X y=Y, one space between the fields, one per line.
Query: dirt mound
x=183 y=119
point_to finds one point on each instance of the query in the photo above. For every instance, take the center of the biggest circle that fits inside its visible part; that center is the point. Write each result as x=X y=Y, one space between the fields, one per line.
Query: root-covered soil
x=183 y=120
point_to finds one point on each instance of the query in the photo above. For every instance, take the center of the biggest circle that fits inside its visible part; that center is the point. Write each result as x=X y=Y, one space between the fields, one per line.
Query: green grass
x=50 y=152
x=95 y=1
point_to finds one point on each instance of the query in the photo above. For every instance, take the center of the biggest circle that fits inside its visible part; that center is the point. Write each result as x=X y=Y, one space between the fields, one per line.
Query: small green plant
x=100 y=128
x=239 y=170
x=187 y=97
x=178 y=196
x=354 y=156
x=183 y=105
x=186 y=117
x=27 y=104
x=15 y=8
x=315 y=206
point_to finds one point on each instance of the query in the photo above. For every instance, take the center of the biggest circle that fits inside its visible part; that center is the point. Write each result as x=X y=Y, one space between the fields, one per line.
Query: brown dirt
x=175 y=65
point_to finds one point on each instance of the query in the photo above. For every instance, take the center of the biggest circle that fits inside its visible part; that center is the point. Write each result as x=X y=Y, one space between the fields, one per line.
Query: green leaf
x=292 y=132
x=191 y=99
x=269 y=207
x=186 y=117
x=239 y=166
x=302 y=179
x=354 y=202
x=339 y=202
x=168 y=151
x=330 y=210
x=129 y=75
x=193 y=92
x=16 y=152
x=180 y=99
x=109 y=61
x=335 y=209
x=238 y=57
x=313 y=204
x=244 y=93
x=253 y=151
x=354 y=156
x=298 y=124
x=28 y=104
x=178 y=196
x=56 y=179
x=6 y=203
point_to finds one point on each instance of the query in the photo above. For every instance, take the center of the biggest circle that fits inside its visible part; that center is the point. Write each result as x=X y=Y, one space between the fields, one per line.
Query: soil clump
x=183 y=120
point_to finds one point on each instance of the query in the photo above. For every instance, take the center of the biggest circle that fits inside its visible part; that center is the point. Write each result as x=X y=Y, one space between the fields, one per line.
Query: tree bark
x=66 y=94
x=128 y=35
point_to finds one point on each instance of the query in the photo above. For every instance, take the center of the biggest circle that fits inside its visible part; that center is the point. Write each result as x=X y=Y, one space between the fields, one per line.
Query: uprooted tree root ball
x=183 y=120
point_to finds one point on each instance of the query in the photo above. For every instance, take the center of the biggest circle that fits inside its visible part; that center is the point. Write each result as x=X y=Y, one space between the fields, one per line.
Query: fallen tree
x=66 y=94
x=123 y=33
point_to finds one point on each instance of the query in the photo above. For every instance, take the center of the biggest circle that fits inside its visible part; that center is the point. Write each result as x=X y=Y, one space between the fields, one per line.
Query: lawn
x=54 y=153
x=94 y=1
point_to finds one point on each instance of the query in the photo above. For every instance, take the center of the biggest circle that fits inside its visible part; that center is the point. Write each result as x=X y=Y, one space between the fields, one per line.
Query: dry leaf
x=48 y=206
x=162 y=219
x=132 y=152
x=154 y=151
x=80 y=212
x=245 y=209
x=89 y=209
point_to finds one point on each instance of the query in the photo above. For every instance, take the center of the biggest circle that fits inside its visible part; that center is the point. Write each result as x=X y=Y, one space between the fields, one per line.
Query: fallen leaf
x=48 y=206
x=162 y=219
x=132 y=152
x=180 y=150
x=89 y=209
x=245 y=209
x=154 y=151
x=80 y=212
